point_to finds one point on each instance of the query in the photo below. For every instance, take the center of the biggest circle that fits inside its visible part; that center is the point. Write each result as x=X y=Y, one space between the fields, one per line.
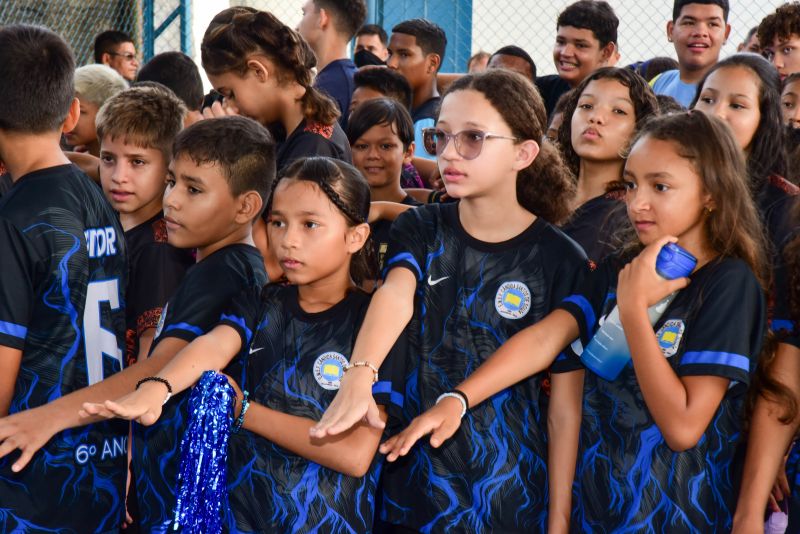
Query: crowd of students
x=373 y=252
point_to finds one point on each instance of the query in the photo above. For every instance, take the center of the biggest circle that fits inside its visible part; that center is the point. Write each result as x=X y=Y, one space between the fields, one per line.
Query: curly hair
x=781 y=24
x=236 y=34
x=545 y=187
x=644 y=101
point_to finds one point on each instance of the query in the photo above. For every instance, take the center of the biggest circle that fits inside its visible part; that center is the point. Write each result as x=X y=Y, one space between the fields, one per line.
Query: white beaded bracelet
x=458 y=396
x=363 y=364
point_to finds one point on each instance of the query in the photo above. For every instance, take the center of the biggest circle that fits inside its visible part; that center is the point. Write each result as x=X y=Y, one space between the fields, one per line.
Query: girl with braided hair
x=263 y=69
x=289 y=347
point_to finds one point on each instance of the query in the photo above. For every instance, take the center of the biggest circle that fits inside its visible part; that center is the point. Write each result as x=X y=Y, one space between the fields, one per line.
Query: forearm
x=526 y=353
x=563 y=424
x=350 y=452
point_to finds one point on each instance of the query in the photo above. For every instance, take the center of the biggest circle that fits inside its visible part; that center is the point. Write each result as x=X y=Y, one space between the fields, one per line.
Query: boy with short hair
x=178 y=72
x=698 y=30
x=137 y=128
x=220 y=175
x=116 y=49
x=416 y=50
x=94 y=84
x=373 y=39
x=62 y=318
x=380 y=82
x=328 y=26
x=586 y=39
x=779 y=38
x=513 y=58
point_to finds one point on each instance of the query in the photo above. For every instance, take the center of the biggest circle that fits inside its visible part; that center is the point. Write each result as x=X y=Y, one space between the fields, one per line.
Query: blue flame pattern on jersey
x=471 y=297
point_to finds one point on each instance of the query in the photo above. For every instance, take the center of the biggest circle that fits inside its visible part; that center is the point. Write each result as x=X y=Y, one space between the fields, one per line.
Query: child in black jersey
x=467 y=276
x=606 y=108
x=291 y=345
x=62 y=322
x=656 y=444
x=220 y=172
x=136 y=130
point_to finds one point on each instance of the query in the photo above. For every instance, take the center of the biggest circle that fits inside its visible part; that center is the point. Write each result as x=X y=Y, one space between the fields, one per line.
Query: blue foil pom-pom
x=202 y=487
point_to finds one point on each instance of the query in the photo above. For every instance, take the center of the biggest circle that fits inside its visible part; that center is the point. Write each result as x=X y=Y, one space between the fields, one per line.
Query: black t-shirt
x=292 y=361
x=62 y=304
x=427 y=110
x=594 y=224
x=336 y=80
x=380 y=233
x=627 y=478
x=775 y=202
x=195 y=308
x=471 y=297
x=5 y=183
x=313 y=139
x=156 y=269
x=551 y=88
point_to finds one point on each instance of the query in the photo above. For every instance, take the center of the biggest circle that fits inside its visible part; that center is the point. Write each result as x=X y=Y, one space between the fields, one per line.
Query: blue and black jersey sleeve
x=725 y=336
x=390 y=388
x=16 y=286
x=408 y=239
x=244 y=315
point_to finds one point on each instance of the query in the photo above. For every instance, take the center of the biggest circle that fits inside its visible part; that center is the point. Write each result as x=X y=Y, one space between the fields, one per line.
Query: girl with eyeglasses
x=465 y=277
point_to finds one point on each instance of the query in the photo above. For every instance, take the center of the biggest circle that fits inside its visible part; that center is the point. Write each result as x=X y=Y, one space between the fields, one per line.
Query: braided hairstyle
x=348 y=190
x=236 y=34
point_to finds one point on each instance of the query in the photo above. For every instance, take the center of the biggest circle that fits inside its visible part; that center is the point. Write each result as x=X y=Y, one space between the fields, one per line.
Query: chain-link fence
x=471 y=25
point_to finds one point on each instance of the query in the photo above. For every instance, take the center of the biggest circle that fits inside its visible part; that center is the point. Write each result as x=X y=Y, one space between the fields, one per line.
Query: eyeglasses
x=468 y=143
x=127 y=55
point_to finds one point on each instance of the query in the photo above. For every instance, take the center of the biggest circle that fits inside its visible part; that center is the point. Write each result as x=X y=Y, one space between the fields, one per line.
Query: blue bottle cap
x=674 y=262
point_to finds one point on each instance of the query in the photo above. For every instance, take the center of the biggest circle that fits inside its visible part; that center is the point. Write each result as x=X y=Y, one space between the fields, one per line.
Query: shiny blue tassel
x=202 y=487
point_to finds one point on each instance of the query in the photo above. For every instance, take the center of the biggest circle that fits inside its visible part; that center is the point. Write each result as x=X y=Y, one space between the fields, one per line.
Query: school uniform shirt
x=594 y=224
x=424 y=116
x=5 y=181
x=292 y=361
x=551 y=87
x=205 y=292
x=62 y=304
x=627 y=479
x=336 y=80
x=381 y=230
x=313 y=139
x=775 y=202
x=471 y=297
x=156 y=269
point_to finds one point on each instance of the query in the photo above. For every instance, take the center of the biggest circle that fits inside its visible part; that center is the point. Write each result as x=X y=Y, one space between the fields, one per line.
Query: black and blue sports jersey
x=292 y=361
x=471 y=297
x=62 y=304
x=594 y=224
x=627 y=479
x=205 y=292
x=380 y=232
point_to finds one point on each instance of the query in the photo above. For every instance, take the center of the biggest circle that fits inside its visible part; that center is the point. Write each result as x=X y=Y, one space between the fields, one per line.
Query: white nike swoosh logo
x=434 y=282
x=252 y=350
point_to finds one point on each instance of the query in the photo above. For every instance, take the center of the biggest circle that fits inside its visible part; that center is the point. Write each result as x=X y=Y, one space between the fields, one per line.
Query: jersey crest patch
x=669 y=336
x=160 y=325
x=328 y=370
x=513 y=300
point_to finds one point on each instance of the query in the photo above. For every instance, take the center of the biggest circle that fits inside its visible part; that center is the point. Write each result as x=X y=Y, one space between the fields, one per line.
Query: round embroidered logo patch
x=513 y=300
x=328 y=370
x=160 y=325
x=669 y=336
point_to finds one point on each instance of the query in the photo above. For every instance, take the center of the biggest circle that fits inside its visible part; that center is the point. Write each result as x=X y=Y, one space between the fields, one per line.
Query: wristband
x=160 y=380
x=363 y=364
x=456 y=394
x=237 y=425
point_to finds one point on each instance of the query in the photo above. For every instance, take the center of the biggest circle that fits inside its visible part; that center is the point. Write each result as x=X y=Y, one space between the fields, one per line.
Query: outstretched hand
x=27 y=431
x=441 y=421
x=142 y=406
x=353 y=403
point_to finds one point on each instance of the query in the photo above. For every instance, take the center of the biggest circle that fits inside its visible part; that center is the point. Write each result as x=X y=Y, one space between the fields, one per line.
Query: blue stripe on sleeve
x=185 y=326
x=405 y=256
x=586 y=308
x=248 y=334
x=781 y=324
x=384 y=387
x=709 y=357
x=12 y=329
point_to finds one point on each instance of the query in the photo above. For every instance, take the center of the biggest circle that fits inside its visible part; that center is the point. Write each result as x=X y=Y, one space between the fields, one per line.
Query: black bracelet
x=462 y=395
x=157 y=379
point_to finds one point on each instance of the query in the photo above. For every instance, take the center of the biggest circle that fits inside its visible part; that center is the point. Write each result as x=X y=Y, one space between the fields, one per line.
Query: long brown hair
x=237 y=33
x=545 y=187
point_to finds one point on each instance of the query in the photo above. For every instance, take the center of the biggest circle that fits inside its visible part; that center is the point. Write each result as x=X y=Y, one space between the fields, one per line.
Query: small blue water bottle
x=608 y=353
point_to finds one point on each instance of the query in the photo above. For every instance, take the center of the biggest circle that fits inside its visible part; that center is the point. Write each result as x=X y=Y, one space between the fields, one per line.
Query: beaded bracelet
x=456 y=394
x=363 y=364
x=160 y=380
x=237 y=425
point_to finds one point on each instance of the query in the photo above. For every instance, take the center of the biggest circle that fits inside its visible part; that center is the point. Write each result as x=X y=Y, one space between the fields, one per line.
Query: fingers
x=444 y=432
x=91 y=409
x=27 y=450
x=400 y=444
x=772 y=505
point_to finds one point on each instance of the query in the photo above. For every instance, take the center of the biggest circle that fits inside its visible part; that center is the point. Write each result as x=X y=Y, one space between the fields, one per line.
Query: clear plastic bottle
x=608 y=353
x=777 y=523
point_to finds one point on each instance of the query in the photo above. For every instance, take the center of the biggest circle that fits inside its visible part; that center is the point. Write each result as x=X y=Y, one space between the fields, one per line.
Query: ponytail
x=546 y=187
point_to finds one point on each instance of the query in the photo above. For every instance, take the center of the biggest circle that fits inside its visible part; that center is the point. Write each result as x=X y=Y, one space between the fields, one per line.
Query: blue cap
x=674 y=262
